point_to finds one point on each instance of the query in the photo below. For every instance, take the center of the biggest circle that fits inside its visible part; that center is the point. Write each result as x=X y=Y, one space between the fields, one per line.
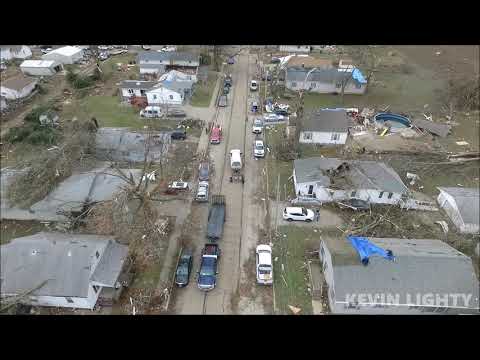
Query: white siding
x=325 y=88
x=64 y=59
x=61 y=301
x=295 y=48
x=38 y=71
x=162 y=96
x=12 y=94
x=136 y=92
x=323 y=138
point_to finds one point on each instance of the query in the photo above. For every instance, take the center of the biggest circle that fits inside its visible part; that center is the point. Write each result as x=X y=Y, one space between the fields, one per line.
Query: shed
x=325 y=127
x=65 y=55
x=40 y=67
x=427 y=276
x=17 y=87
x=63 y=270
x=462 y=207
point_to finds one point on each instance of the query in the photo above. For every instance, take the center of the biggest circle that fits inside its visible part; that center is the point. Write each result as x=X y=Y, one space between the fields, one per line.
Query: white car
x=259 y=149
x=253 y=85
x=273 y=117
x=151 y=112
x=257 y=126
x=298 y=214
x=263 y=265
x=179 y=185
x=146 y=47
x=202 y=191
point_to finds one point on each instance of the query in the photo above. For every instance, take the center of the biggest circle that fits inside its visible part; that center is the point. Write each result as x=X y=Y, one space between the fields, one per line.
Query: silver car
x=202 y=192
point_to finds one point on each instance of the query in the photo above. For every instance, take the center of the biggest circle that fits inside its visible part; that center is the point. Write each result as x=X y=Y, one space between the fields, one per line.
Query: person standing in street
x=317 y=215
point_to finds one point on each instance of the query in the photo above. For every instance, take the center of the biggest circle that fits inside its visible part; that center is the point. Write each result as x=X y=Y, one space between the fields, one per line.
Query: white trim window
x=294 y=84
x=335 y=137
x=131 y=91
x=307 y=135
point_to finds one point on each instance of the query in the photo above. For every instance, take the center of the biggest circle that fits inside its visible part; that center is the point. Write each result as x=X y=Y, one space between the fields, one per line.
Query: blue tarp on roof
x=358 y=76
x=365 y=249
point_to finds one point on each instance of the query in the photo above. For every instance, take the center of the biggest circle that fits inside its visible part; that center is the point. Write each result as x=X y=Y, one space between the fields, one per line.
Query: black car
x=179 y=134
x=184 y=268
x=355 y=204
x=226 y=90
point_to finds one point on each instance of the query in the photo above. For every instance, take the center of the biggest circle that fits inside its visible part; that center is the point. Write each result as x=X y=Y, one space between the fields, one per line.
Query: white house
x=325 y=127
x=40 y=67
x=329 y=179
x=17 y=87
x=65 y=55
x=9 y=52
x=61 y=270
x=305 y=49
x=462 y=207
x=160 y=95
x=177 y=81
x=139 y=88
x=426 y=277
x=152 y=62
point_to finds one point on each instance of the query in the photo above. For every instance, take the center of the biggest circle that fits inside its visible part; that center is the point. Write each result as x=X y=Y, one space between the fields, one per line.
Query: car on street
x=298 y=214
x=354 y=204
x=179 y=134
x=222 y=102
x=273 y=117
x=184 y=268
x=202 y=192
x=253 y=85
x=226 y=90
x=259 y=149
x=203 y=171
x=228 y=80
x=207 y=276
x=263 y=265
x=257 y=126
x=216 y=135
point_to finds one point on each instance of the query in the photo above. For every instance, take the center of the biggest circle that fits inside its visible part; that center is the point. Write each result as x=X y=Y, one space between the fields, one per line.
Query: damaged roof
x=170 y=56
x=18 y=83
x=441 y=130
x=309 y=62
x=137 y=84
x=361 y=174
x=421 y=266
x=320 y=75
x=64 y=261
x=326 y=121
x=467 y=201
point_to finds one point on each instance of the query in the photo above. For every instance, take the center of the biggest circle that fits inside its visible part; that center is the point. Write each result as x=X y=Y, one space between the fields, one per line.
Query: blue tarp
x=357 y=75
x=365 y=249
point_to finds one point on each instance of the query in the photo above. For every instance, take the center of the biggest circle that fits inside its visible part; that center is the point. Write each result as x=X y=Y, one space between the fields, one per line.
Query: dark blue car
x=207 y=276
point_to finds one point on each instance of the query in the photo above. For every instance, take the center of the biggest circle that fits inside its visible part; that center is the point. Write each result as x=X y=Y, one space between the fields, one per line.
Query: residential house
x=325 y=81
x=160 y=95
x=295 y=48
x=41 y=67
x=61 y=270
x=17 y=87
x=9 y=52
x=462 y=207
x=331 y=179
x=65 y=55
x=426 y=277
x=178 y=82
x=158 y=63
x=308 y=62
x=325 y=127
x=131 y=88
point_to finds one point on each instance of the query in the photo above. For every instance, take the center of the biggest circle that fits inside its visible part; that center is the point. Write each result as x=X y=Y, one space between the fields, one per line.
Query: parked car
x=216 y=218
x=202 y=192
x=253 y=85
x=168 y=48
x=275 y=60
x=281 y=112
x=216 y=135
x=298 y=214
x=228 y=80
x=203 y=171
x=273 y=117
x=222 y=102
x=231 y=61
x=151 y=112
x=354 y=204
x=257 y=126
x=179 y=134
x=178 y=185
x=207 y=276
x=103 y=56
x=184 y=268
x=263 y=265
x=226 y=90
x=146 y=47
x=103 y=47
x=258 y=149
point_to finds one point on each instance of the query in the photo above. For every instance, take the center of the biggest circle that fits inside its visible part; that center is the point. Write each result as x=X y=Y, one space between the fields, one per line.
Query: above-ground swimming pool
x=393 y=121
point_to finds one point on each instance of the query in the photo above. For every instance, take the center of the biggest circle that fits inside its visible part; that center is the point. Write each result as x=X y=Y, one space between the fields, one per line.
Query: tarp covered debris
x=365 y=249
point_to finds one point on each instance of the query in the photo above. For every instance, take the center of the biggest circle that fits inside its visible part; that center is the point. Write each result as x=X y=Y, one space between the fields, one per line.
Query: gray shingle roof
x=325 y=75
x=362 y=174
x=64 y=260
x=467 y=201
x=326 y=120
x=110 y=265
x=135 y=84
x=435 y=128
x=167 y=56
x=421 y=266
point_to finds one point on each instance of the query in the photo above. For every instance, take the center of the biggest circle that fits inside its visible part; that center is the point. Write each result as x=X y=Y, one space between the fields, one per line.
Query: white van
x=236 y=159
x=151 y=112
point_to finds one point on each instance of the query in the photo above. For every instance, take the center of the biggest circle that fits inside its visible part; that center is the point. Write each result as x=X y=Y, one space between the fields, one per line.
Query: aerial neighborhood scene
x=239 y=179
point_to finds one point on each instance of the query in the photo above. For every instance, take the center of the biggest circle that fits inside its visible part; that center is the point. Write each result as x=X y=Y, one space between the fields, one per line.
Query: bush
x=34 y=115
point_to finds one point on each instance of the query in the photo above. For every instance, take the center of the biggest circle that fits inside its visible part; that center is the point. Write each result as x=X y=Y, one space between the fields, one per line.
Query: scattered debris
x=295 y=310
x=443 y=224
x=462 y=143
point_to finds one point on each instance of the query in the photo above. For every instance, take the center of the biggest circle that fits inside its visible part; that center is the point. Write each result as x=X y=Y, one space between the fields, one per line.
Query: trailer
x=216 y=218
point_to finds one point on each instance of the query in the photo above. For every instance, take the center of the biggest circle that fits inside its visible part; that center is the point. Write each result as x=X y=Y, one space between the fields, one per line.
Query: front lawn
x=203 y=93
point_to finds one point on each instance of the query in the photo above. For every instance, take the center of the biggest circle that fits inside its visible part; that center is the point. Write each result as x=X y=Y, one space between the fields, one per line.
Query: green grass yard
x=203 y=93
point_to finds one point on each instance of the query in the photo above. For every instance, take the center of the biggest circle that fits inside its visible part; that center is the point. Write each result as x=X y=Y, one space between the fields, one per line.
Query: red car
x=216 y=135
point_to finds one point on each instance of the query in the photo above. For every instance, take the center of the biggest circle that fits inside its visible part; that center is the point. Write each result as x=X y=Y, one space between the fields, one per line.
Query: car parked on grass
x=257 y=126
x=258 y=149
x=184 y=268
x=298 y=214
x=263 y=265
x=253 y=85
x=179 y=134
x=216 y=135
x=222 y=102
x=202 y=192
x=203 y=171
x=273 y=117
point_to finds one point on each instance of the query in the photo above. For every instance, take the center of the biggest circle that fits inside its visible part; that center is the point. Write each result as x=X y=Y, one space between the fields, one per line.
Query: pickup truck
x=216 y=218
x=207 y=276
